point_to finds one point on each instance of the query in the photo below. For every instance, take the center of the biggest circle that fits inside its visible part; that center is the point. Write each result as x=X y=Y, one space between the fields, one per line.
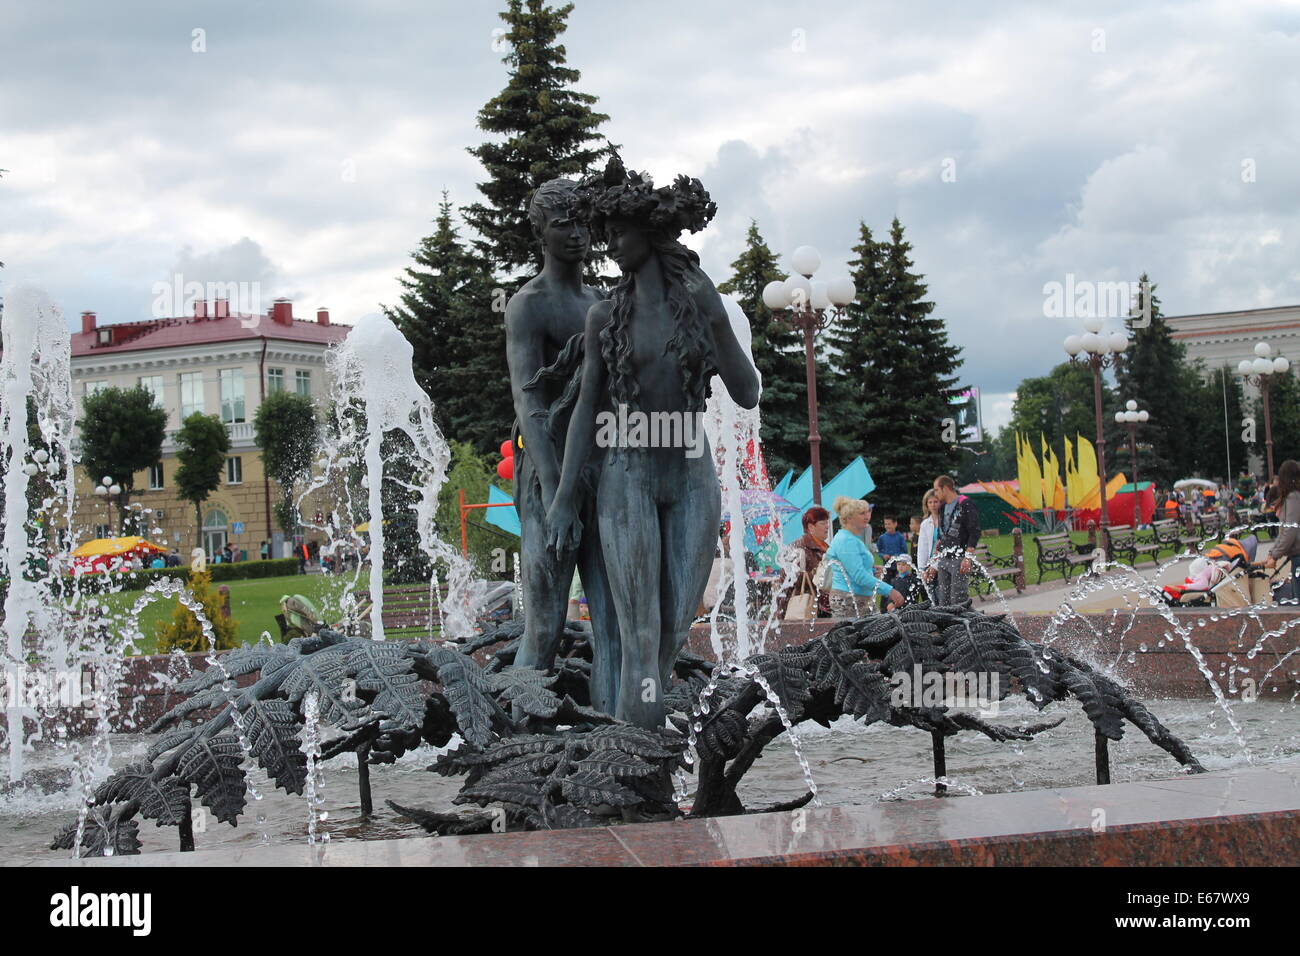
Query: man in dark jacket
x=959 y=533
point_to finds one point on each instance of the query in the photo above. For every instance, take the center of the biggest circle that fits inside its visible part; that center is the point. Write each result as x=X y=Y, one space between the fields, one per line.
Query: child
x=891 y=544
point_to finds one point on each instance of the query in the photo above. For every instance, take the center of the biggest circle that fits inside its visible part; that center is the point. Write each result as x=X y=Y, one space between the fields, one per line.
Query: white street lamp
x=809 y=304
x=1259 y=372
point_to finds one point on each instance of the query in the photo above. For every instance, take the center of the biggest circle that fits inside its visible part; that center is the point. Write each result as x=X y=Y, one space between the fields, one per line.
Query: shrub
x=184 y=630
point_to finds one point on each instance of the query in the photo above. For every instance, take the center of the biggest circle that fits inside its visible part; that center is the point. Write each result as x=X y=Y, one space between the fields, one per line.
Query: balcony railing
x=241 y=433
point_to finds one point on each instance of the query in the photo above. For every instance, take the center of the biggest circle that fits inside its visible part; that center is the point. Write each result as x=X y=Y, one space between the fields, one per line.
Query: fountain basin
x=1165 y=669
x=1249 y=816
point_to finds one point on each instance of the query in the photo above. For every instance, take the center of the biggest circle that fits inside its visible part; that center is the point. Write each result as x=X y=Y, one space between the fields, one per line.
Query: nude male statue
x=541 y=320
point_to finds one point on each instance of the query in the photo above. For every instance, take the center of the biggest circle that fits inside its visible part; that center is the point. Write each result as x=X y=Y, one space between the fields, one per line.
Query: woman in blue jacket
x=853 y=580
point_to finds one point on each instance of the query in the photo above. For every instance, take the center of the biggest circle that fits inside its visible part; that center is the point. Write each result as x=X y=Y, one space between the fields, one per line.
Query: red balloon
x=506 y=468
x=507 y=449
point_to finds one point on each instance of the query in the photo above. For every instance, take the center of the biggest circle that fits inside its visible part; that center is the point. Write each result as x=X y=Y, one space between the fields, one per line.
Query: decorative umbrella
x=757 y=504
x=1193 y=483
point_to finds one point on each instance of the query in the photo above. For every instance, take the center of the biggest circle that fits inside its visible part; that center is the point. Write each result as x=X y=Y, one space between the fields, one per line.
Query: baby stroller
x=1224 y=576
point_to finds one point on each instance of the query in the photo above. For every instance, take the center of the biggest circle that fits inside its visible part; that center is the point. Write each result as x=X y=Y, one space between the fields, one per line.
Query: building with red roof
x=218 y=363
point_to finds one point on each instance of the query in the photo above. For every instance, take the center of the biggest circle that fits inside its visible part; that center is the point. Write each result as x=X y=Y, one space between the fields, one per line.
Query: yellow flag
x=1030 y=473
x=1087 y=472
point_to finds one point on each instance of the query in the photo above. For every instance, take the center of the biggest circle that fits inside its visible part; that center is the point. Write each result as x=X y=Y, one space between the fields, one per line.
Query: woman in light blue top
x=853 y=580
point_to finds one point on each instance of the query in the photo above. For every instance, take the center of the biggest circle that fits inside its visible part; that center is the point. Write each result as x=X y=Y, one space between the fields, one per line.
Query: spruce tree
x=454 y=317
x=896 y=374
x=1153 y=370
x=549 y=130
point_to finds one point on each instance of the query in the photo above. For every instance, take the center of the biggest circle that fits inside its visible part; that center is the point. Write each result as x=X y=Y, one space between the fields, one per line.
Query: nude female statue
x=652 y=347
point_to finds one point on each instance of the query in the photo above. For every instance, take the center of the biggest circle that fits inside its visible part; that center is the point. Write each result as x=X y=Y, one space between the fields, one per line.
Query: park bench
x=1123 y=542
x=1059 y=552
x=1167 y=535
x=997 y=567
x=1149 y=545
x=410 y=612
x=1211 y=525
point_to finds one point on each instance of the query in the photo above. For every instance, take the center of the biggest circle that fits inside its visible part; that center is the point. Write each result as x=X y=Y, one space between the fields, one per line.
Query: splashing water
x=35 y=364
x=375 y=393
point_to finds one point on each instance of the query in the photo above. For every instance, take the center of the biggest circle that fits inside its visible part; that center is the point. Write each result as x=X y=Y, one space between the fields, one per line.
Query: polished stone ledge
x=1238 y=818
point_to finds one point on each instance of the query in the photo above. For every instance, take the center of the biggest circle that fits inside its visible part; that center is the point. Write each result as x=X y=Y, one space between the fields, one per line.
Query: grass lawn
x=253 y=603
x=1001 y=545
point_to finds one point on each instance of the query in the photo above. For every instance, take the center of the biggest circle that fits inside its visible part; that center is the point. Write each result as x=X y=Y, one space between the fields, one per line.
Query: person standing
x=853 y=579
x=810 y=548
x=927 y=540
x=1287 y=543
x=959 y=533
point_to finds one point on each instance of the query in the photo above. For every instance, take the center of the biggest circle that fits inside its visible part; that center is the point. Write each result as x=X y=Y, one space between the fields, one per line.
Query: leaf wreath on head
x=615 y=193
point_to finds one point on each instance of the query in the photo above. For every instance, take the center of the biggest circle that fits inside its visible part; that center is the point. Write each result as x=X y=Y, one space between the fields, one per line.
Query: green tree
x=286 y=431
x=896 y=374
x=1284 y=413
x=453 y=315
x=441 y=269
x=121 y=432
x=549 y=130
x=1060 y=405
x=778 y=352
x=203 y=445
x=1215 y=416
x=1154 y=372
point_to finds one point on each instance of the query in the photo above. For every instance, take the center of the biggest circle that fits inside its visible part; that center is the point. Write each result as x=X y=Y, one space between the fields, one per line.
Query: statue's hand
x=564 y=528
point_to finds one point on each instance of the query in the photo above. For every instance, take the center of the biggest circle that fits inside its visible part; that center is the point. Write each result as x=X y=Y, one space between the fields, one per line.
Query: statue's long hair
x=690 y=340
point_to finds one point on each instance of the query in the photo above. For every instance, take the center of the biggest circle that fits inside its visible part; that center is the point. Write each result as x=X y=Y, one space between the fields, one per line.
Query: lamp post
x=809 y=305
x=1260 y=372
x=107 y=490
x=1130 y=417
x=1098 y=351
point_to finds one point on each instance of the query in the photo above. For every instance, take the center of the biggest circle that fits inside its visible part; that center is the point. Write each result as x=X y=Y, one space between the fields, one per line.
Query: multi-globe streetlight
x=1130 y=418
x=810 y=305
x=1097 y=350
x=108 y=490
x=1260 y=372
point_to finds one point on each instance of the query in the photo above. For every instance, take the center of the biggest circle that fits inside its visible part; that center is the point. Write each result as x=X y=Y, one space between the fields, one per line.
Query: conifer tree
x=549 y=130
x=1153 y=370
x=896 y=373
x=453 y=315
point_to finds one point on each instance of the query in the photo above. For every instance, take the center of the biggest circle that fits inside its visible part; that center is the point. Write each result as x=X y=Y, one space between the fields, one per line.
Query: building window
x=191 y=394
x=93 y=387
x=274 y=380
x=303 y=380
x=232 y=395
x=153 y=384
x=101 y=531
x=234 y=470
x=156 y=477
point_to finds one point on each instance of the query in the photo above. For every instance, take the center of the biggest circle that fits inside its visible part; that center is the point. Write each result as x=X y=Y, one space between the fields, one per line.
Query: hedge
x=139 y=580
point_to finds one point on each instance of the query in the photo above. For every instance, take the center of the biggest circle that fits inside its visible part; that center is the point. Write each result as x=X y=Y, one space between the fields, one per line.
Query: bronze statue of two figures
x=638 y=520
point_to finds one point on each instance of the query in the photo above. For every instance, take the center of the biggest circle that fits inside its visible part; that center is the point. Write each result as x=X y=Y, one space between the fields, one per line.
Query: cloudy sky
x=305 y=145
